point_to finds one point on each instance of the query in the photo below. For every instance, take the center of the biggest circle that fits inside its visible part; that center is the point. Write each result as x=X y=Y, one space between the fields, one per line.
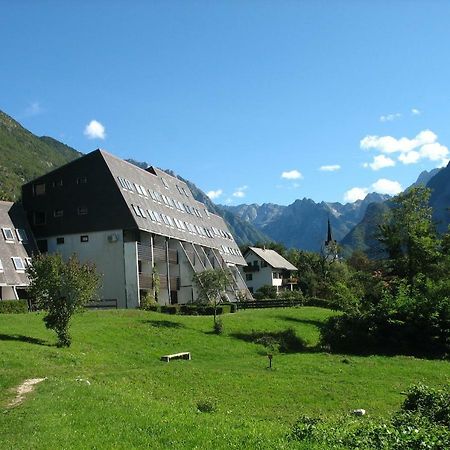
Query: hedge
x=193 y=310
x=13 y=306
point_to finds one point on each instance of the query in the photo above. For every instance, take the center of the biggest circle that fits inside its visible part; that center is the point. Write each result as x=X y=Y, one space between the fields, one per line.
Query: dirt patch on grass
x=23 y=389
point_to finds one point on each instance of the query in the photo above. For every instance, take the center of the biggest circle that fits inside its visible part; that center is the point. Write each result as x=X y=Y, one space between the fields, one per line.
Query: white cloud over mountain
x=95 y=130
x=423 y=146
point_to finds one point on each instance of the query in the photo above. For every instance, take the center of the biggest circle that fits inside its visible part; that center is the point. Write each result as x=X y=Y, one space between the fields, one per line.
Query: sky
x=253 y=101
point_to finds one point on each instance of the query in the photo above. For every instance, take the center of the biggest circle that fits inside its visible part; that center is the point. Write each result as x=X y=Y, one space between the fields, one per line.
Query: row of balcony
x=145 y=282
x=159 y=253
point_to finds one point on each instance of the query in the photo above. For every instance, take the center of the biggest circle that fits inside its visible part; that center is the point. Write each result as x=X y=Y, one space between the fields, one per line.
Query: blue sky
x=250 y=100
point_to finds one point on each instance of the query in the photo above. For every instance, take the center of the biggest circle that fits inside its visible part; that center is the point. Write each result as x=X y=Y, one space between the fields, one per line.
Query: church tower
x=330 y=247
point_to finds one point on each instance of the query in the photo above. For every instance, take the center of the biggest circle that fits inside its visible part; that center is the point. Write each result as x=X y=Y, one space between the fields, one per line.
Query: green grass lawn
x=133 y=400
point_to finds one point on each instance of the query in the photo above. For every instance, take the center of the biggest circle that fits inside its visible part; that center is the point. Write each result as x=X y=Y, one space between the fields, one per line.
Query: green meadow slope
x=24 y=156
x=110 y=390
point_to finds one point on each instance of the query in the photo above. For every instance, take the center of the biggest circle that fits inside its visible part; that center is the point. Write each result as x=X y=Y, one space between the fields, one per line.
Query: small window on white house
x=84 y=238
x=21 y=235
x=59 y=240
x=18 y=263
x=82 y=210
x=8 y=234
x=58 y=213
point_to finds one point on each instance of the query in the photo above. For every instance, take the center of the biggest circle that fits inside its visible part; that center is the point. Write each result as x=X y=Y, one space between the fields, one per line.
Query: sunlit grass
x=110 y=390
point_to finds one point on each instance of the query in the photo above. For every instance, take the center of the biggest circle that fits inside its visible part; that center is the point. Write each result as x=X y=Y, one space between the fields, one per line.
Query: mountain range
x=302 y=224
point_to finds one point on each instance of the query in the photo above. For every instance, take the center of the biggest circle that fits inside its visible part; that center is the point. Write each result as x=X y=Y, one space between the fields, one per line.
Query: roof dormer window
x=164 y=182
x=18 y=263
x=21 y=235
x=8 y=234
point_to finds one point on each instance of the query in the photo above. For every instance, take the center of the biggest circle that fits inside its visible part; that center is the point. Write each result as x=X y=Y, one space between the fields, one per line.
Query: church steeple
x=329 y=234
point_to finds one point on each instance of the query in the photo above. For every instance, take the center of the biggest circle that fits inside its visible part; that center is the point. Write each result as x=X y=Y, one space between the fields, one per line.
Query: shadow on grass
x=317 y=323
x=22 y=338
x=164 y=324
x=283 y=341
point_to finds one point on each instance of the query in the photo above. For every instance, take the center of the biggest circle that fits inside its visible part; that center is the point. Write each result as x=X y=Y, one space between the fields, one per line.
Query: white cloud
x=214 y=194
x=330 y=168
x=95 y=130
x=240 y=192
x=33 y=109
x=390 y=117
x=379 y=162
x=292 y=175
x=354 y=194
x=434 y=152
x=384 y=186
x=409 y=158
x=422 y=146
x=416 y=112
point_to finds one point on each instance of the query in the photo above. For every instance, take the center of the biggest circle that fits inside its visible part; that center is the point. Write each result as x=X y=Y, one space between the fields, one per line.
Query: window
x=58 y=213
x=82 y=210
x=84 y=238
x=8 y=234
x=18 y=263
x=28 y=262
x=142 y=211
x=185 y=192
x=263 y=264
x=39 y=189
x=57 y=183
x=59 y=240
x=82 y=180
x=249 y=276
x=21 y=235
x=1 y=266
x=164 y=182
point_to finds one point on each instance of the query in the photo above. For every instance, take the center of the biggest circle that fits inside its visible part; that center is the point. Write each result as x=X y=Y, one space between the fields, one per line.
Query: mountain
x=362 y=236
x=24 y=156
x=303 y=224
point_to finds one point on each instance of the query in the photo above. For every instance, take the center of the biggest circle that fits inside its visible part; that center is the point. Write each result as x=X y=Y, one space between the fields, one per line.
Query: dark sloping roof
x=13 y=216
x=154 y=179
x=272 y=258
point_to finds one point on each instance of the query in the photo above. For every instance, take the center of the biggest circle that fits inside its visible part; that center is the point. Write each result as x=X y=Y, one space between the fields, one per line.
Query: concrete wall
x=106 y=250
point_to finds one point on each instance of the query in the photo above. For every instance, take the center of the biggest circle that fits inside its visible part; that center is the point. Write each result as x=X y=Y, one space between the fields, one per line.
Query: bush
x=432 y=403
x=147 y=302
x=170 y=309
x=218 y=326
x=297 y=296
x=316 y=301
x=207 y=405
x=283 y=341
x=13 y=306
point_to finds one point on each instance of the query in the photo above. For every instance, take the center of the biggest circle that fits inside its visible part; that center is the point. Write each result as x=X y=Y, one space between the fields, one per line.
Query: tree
x=61 y=288
x=409 y=235
x=211 y=285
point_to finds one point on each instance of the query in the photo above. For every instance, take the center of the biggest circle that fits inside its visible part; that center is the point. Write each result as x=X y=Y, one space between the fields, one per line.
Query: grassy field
x=110 y=390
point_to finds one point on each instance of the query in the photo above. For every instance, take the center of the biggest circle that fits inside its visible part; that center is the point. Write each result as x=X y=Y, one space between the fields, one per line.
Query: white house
x=136 y=225
x=16 y=248
x=267 y=267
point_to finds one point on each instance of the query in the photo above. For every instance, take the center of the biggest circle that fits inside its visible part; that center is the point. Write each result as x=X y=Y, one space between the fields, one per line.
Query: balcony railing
x=145 y=282
x=250 y=269
x=292 y=280
x=159 y=253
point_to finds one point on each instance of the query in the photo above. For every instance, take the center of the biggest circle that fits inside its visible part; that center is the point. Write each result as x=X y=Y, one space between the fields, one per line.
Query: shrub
x=13 y=306
x=296 y=296
x=147 y=302
x=170 y=309
x=283 y=341
x=218 y=326
x=207 y=405
x=432 y=403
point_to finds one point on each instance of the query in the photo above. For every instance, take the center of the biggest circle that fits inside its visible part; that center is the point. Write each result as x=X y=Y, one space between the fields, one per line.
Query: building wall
x=106 y=250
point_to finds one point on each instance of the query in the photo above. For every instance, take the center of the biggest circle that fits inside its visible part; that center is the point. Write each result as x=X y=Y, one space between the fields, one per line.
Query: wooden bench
x=182 y=355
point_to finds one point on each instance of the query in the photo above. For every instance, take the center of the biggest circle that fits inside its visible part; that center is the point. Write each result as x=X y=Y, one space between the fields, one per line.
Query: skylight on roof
x=8 y=234
x=18 y=263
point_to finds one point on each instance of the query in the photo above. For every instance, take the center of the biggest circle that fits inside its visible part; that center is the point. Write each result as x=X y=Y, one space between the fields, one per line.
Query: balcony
x=145 y=282
x=291 y=280
x=251 y=269
x=159 y=253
